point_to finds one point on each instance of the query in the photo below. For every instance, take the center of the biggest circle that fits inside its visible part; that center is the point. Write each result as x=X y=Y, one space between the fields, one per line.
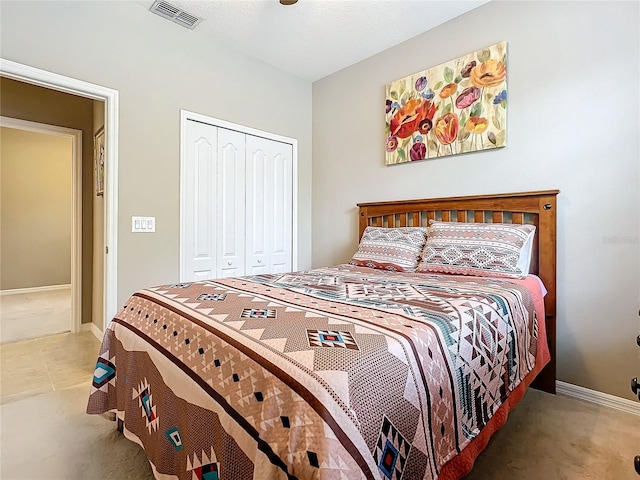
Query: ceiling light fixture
x=288 y=2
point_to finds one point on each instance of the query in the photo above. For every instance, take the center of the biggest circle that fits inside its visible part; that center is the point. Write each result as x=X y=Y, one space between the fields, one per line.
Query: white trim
x=599 y=398
x=186 y=115
x=46 y=288
x=91 y=327
x=36 y=76
x=183 y=188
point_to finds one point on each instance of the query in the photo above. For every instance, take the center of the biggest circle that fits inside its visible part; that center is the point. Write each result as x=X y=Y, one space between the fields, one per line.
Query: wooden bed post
x=546 y=380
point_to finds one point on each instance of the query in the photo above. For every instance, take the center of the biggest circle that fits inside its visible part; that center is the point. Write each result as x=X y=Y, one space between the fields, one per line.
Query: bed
x=339 y=372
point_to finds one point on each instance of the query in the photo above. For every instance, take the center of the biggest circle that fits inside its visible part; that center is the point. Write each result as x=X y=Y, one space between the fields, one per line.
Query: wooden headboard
x=535 y=208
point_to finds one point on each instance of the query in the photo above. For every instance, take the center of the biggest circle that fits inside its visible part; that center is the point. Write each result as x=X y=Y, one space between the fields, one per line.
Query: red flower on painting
x=418 y=151
x=446 y=129
x=409 y=117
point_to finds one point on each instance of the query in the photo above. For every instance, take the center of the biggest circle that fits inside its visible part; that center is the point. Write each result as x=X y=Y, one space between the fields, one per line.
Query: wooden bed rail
x=533 y=208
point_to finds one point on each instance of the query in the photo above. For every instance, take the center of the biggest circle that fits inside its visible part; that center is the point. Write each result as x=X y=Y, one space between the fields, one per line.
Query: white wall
x=159 y=68
x=572 y=124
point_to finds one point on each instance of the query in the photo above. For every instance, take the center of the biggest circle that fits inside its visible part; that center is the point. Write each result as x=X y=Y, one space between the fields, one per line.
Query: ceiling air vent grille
x=175 y=14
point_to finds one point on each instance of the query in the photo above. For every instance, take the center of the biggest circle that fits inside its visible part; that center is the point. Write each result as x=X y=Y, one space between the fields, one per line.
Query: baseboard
x=46 y=288
x=91 y=327
x=593 y=396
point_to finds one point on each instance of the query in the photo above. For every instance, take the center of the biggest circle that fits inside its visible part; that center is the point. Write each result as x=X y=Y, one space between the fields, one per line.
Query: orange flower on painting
x=408 y=118
x=448 y=90
x=476 y=124
x=446 y=129
x=488 y=74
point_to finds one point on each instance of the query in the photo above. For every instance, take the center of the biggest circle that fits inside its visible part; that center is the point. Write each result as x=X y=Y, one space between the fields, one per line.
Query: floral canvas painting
x=457 y=107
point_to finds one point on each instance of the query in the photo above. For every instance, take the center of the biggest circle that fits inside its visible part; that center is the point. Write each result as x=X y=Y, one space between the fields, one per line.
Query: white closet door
x=199 y=196
x=269 y=214
x=230 y=205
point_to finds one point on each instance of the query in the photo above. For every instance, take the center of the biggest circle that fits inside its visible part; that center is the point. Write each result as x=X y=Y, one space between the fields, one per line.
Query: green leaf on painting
x=394 y=95
x=458 y=79
x=401 y=153
x=501 y=138
x=432 y=145
x=484 y=55
x=447 y=109
x=463 y=120
x=496 y=122
x=488 y=97
x=465 y=83
x=463 y=135
x=438 y=85
x=503 y=104
x=492 y=137
x=448 y=74
x=476 y=110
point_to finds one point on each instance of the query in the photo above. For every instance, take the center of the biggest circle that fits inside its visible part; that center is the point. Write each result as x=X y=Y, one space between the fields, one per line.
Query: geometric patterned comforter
x=334 y=373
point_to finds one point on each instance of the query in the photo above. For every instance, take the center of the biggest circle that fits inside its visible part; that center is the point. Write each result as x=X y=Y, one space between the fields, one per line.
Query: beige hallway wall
x=35 y=217
x=98 y=233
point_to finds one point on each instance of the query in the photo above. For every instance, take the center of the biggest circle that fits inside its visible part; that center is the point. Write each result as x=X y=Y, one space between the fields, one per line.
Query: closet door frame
x=186 y=116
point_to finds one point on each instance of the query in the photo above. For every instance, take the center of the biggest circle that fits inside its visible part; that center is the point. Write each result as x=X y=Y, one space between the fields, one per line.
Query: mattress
x=334 y=373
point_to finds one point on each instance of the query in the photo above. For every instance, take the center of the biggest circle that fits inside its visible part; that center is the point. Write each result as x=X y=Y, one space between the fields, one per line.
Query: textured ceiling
x=315 y=38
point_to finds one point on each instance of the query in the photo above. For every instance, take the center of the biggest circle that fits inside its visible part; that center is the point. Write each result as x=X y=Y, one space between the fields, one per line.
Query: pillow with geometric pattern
x=479 y=249
x=394 y=249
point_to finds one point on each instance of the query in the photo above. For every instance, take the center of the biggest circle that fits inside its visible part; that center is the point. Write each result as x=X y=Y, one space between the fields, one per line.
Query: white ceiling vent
x=175 y=14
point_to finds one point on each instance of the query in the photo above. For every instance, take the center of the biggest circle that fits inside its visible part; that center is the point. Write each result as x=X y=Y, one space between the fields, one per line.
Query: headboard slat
x=517 y=217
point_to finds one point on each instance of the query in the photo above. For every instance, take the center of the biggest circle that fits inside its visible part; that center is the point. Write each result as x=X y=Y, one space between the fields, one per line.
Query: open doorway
x=41 y=203
x=108 y=98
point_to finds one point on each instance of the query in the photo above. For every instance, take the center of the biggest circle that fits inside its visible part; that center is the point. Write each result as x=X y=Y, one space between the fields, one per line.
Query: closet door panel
x=258 y=221
x=269 y=202
x=199 y=256
x=282 y=208
x=230 y=228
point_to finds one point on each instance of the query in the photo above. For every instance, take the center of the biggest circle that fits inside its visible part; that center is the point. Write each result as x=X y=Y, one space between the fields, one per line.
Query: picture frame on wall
x=99 y=156
x=457 y=107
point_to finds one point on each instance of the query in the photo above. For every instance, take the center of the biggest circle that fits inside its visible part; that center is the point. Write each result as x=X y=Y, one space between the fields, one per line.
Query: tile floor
x=46 y=364
x=33 y=315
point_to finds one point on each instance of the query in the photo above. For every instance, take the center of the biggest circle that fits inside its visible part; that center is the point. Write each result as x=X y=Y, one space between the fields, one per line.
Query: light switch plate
x=143 y=224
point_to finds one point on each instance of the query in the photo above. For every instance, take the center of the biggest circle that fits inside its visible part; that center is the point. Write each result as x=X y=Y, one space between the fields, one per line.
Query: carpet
x=546 y=437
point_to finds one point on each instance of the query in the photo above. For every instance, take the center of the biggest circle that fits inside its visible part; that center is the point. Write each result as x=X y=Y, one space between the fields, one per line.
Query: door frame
x=185 y=116
x=54 y=81
x=76 y=204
